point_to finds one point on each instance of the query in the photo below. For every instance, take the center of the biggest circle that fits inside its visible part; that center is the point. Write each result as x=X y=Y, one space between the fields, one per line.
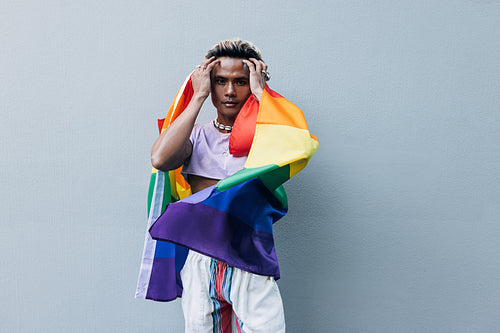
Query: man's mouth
x=229 y=104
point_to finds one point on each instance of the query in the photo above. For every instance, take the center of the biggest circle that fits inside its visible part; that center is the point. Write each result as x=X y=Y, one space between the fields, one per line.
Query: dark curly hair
x=234 y=48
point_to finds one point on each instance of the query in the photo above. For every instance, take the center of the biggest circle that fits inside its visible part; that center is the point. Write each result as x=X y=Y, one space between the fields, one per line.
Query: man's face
x=230 y=87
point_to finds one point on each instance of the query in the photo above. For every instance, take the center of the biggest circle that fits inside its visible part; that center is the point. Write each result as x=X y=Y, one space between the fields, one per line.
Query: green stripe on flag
x=274 y=178
x=167 y=198
x=271 y=175
x=151 y=189
x=243 y=175
x=280 y=194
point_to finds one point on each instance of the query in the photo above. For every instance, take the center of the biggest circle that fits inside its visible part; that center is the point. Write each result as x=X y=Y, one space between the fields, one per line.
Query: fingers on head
x=258 y=66
x=207 y=64
x=211 y=60
x=255 y=63
x=250 y=64
x=212 y=63
x=261 y=64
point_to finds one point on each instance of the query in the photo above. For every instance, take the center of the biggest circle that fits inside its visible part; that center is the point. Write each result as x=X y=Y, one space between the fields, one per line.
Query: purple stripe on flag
x=162 y=283
x=219 y=235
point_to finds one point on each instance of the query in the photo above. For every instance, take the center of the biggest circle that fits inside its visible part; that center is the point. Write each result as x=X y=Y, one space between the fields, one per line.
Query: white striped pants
x=218 y=298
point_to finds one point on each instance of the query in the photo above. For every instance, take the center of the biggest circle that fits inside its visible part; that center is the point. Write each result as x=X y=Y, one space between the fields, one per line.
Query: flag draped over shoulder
x=232 y=220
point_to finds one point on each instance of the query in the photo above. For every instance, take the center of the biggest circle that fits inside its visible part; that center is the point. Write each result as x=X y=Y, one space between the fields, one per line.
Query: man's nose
x=229 y=91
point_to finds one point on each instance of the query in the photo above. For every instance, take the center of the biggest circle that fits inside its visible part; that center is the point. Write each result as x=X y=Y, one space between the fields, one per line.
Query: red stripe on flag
x=160 y=124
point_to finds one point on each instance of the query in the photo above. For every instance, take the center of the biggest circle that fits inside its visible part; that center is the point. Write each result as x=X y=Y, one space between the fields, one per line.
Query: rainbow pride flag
x=233 y=220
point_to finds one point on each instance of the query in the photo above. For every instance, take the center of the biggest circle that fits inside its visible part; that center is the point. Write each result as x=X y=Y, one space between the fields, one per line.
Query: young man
x=212 y=290
x=210 y=238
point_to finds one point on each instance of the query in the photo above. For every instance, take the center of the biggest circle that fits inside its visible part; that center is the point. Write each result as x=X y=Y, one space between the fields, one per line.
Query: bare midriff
x=199 y=183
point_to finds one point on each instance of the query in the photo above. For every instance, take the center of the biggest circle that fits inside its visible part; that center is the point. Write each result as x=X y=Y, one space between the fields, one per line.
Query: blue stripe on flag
x=164 y=250
x=250 y=202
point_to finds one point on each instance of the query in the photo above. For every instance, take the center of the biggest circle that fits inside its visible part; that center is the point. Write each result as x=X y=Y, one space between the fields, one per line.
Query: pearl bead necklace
x=222 y=127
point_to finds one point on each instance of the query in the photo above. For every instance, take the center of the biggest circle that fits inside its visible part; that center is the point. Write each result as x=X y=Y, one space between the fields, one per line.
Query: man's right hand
x=201 y=77
x=173 y=147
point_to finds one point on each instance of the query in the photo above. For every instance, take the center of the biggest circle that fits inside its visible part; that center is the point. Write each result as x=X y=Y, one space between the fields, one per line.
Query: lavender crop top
x=210 y=157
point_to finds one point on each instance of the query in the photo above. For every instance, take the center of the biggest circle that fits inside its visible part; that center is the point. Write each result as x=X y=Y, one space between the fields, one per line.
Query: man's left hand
x=258 y=76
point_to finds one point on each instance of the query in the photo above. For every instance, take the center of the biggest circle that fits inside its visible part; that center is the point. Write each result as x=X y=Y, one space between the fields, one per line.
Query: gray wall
x=393 y=227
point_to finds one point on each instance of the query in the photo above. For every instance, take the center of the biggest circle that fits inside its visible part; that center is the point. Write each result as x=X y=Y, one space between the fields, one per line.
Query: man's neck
x=225 y=121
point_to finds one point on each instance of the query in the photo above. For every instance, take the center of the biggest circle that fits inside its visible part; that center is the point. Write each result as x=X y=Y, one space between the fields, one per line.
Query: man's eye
x=241 y=83
x=220 y=81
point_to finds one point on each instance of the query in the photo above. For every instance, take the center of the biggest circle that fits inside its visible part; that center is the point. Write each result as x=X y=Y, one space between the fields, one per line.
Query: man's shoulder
x=203 y=127
x=207 y=129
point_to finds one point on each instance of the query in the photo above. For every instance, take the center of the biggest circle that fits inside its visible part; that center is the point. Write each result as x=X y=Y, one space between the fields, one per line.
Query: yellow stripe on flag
x=280 y=145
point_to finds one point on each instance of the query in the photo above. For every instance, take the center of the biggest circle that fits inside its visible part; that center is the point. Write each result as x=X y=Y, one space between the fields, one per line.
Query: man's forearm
x=173 y=147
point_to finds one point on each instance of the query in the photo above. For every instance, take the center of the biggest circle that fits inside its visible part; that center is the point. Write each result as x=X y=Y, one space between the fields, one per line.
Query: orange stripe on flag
x=280 y=111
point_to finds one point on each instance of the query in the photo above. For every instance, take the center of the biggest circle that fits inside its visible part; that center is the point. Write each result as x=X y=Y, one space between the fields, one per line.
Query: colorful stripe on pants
x=220 y=289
